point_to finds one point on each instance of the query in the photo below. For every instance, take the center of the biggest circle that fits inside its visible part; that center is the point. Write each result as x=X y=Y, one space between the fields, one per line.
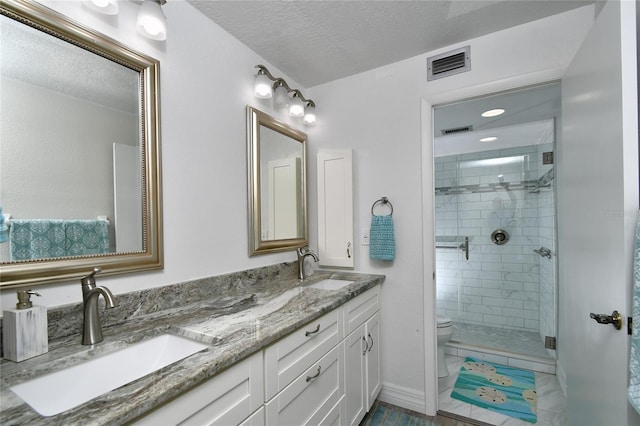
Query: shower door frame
x=428 y=102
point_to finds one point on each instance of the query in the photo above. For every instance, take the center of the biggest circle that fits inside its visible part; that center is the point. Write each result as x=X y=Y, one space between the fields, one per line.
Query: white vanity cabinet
x=226 y=399
x=362 y=354
x=313 y=376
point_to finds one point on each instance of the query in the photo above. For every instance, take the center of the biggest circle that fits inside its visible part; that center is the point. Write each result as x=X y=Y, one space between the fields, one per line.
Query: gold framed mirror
x=277 y=168
x=79 y=151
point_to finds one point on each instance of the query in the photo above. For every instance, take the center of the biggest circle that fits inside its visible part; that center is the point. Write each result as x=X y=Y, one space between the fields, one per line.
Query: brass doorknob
x=615 y=319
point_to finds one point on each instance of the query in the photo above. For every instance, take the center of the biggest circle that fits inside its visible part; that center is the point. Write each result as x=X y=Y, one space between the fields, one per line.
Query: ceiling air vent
x=453 y=130
x=449 y=63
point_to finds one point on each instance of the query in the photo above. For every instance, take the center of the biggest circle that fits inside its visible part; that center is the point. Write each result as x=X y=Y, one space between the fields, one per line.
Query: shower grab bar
x=464 y=247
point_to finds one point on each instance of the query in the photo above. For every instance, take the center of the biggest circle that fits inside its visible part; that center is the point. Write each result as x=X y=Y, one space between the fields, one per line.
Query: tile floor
x=551 y=407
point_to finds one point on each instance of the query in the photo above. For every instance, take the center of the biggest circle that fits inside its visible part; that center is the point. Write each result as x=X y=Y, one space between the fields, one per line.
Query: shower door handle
x=615 y=319
x=465 y=247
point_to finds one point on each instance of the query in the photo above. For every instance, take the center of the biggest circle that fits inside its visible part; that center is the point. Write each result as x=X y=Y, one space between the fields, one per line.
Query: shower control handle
x=615 y=319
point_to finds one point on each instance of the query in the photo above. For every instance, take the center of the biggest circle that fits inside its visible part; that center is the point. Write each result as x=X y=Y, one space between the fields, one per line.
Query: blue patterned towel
x=85 y=237
x=47 y=238
x=634 y=359
x=36 y=239
x=382 y=245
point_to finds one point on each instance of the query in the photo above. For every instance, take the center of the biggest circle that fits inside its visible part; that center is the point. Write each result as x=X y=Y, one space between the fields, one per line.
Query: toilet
x=445 y=331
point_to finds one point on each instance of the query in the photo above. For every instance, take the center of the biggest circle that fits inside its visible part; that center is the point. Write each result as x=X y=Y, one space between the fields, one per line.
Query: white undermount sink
x=67 y=388
x=330 y=284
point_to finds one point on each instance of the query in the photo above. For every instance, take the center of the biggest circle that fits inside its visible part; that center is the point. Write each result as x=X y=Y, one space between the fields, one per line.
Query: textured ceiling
x=314 y=42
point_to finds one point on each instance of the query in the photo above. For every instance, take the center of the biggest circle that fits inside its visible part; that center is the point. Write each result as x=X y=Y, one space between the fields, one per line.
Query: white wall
x=206 y=82
x=385 y=116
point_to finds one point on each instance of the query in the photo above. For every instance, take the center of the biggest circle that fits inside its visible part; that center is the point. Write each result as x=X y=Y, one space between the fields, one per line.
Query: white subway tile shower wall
x=499 y=286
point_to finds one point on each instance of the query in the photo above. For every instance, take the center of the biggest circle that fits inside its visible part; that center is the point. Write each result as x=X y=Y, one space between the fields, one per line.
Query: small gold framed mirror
x=277 y=184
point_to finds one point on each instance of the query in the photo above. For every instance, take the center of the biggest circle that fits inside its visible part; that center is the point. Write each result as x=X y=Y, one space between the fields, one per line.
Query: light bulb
x=281 y=97
x=296 y=108
x=151 y=21
x=309 y=114
x=262 y=86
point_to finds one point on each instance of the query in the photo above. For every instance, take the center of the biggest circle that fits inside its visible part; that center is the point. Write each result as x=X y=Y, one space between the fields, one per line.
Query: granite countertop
x=234 y=324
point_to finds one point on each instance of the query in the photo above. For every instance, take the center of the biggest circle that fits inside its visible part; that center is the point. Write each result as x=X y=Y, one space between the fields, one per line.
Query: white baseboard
x=410 y=399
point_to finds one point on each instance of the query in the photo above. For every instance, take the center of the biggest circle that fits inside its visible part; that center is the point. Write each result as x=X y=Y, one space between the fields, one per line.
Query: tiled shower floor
x=551 y=405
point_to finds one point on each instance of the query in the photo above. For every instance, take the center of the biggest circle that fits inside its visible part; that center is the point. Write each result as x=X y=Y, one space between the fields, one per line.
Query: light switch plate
x=364 y=237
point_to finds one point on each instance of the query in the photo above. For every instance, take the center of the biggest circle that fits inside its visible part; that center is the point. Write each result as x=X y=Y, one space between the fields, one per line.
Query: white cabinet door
x=226 y=399
x=355 y=347
x=335 y=208
x=374 y=381
x=362 y=369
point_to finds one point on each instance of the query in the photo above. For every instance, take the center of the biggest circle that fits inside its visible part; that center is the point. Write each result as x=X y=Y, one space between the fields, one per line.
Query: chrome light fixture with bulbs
x=298 y=105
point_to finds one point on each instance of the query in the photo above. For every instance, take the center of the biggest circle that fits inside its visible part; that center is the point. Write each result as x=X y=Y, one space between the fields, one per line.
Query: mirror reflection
x=69 y=149
x=79 y=161
x=277 y=193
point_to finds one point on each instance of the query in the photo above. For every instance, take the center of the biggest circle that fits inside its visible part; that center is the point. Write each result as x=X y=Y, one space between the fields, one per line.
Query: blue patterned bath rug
x=499 y=388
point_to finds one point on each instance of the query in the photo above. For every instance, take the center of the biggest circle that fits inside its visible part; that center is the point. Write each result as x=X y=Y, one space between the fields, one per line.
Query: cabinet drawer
x=311 y=398
x=227 y=398
x=288 y=358
x=359 y=309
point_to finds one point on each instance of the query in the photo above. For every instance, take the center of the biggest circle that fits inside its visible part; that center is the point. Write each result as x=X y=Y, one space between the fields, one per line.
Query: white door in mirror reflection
x=285 y=198
x=127 y=197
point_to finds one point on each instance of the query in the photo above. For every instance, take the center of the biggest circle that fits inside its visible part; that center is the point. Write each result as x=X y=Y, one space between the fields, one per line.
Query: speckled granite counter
x=235 y=314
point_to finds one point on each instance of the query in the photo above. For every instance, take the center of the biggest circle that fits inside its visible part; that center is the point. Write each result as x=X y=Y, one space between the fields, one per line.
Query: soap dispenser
x=24 y=331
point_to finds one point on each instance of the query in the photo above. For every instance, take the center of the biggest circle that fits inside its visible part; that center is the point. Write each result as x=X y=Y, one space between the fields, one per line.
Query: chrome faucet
x=92 y=330
x=302 y=253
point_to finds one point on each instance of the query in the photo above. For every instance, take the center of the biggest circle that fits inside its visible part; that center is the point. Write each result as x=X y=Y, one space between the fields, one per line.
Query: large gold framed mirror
x=277 y=164
x=79 y=151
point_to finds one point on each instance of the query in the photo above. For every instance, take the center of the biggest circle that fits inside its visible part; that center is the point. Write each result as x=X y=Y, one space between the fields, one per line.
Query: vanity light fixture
x=151 y=20
x=493 y=112
x=298 y=105
x=107 y=7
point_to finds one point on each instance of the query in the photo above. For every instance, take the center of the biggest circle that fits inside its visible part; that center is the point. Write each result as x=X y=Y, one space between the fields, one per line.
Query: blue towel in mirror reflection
x=45 y=238
x=4 y=228
x=382 y=245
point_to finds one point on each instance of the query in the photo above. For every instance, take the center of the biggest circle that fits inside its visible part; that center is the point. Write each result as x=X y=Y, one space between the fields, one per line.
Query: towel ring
x=383 y=200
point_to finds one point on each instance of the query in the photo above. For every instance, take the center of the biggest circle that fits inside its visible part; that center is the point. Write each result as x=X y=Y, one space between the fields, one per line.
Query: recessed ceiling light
x=493 y=112
x=489 y=139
